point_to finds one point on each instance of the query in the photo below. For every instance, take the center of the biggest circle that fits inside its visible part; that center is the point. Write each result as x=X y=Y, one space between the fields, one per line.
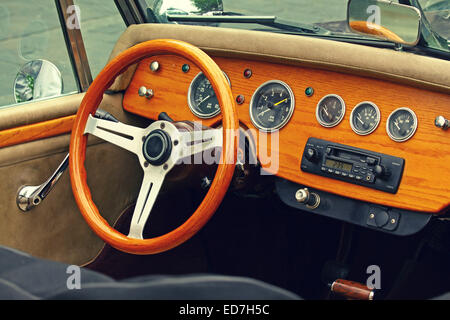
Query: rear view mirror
x=385 y=20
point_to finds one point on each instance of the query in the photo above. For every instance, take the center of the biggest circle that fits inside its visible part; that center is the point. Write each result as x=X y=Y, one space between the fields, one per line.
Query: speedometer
x=272 y=105
x=202 y=99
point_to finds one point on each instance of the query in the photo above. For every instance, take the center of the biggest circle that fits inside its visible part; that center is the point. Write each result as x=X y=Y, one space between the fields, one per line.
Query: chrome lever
x=29 y=197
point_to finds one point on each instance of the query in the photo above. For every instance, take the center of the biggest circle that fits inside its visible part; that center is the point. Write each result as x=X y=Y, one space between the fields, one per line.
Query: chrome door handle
x=29 y=197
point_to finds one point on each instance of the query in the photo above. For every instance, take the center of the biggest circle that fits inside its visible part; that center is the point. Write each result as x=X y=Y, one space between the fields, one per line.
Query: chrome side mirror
x=37 y=79
x=385 y=20
x=159 y=9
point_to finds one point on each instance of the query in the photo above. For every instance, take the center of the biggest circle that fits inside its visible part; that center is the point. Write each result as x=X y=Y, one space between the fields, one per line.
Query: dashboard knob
x=310 y=199
x=144 y=92
x=441 y=122
x=312 y=154
x=381 y=171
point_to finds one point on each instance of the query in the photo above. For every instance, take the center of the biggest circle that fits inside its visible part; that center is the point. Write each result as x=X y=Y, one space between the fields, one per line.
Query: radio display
x=338 y=165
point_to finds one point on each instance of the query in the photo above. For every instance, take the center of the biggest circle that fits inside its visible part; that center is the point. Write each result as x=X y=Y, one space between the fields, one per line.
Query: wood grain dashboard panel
x=424 y=186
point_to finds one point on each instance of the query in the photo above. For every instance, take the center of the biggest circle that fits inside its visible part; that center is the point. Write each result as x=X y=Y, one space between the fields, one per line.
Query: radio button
x=371 y=161
x=358 y=177
x=344 y=174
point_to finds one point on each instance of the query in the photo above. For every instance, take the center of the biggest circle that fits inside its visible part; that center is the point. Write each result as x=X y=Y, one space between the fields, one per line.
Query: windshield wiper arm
x=269 y=21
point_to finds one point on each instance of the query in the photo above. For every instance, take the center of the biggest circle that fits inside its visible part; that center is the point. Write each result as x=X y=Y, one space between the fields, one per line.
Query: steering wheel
x=158 y=147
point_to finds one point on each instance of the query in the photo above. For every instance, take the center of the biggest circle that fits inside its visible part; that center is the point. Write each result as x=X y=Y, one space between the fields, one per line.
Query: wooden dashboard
x=424 y=186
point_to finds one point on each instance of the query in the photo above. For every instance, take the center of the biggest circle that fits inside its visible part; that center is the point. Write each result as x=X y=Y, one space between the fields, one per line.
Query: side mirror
x=385 y=20
x=37 y=79
x=159 y=9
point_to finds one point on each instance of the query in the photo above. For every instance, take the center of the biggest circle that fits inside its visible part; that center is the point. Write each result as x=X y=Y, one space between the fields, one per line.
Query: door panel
x=55 y=229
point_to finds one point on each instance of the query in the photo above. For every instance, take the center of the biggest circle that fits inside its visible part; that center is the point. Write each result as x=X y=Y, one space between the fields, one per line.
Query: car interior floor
x=263 y=238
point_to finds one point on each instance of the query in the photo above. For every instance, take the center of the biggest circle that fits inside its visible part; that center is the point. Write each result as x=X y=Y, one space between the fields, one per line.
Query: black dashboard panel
x=368 y=215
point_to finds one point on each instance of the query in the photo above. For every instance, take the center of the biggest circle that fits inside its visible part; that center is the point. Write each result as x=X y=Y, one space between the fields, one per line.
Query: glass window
x=437 y=13
x=101 y=26
x=31 y=45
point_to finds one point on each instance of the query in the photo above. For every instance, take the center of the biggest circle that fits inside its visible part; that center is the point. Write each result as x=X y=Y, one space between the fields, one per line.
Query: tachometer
x=365 y=118
x=202 y=99
x=330 y=110
x=401 y=124
x=272 y=105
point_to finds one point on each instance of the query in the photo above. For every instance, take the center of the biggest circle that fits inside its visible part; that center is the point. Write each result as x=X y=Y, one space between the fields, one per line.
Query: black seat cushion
x=25 y=277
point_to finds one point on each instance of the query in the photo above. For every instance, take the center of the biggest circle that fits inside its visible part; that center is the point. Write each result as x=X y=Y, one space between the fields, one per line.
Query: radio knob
x=381 y=171
x=312 y=155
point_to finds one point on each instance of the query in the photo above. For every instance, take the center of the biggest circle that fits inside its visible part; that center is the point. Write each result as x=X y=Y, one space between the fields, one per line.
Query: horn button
x=157 y=147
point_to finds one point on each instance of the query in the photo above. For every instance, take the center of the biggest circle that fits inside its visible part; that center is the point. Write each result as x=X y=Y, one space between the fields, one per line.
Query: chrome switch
x=144 y=92
x=441 y=122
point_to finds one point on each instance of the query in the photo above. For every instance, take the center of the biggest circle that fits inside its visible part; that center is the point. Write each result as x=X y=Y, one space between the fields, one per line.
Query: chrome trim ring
x=193 y=109
x=360 y=132
x=335 y=123
x=291 y=107
x=416 y=123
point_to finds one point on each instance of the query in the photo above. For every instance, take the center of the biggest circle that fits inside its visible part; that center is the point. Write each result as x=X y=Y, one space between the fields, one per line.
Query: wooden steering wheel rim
x=224 y=171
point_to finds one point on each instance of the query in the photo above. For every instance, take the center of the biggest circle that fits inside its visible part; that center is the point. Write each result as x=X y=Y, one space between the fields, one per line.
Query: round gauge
x=272 y=105
x=401 y=124
x=202 y=99
x=365 y=118
x=330 y=110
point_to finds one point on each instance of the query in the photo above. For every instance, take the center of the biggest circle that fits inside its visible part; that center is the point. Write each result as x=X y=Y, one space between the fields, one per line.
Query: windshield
x=315 y=17
x=304 y=11
x=437 y=13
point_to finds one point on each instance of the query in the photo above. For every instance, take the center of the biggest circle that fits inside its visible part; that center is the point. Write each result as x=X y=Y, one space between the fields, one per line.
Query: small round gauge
x=365 y=118
x=401 y=124
x=330 y=110
x=202 y=99
x=272 y=105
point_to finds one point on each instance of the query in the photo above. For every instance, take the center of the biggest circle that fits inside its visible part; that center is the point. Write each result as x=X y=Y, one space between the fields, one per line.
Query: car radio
x=367 y=168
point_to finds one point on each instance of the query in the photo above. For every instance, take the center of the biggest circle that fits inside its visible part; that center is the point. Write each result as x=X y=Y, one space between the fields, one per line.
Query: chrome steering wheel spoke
x=151 y=185
x=194 y=142
x=120 y=134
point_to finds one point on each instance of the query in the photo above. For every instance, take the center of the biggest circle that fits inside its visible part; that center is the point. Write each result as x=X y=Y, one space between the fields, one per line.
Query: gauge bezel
x=335 y=123
x=361 y=132
x=291 y=107
x=409 y=136
x=191 y=106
